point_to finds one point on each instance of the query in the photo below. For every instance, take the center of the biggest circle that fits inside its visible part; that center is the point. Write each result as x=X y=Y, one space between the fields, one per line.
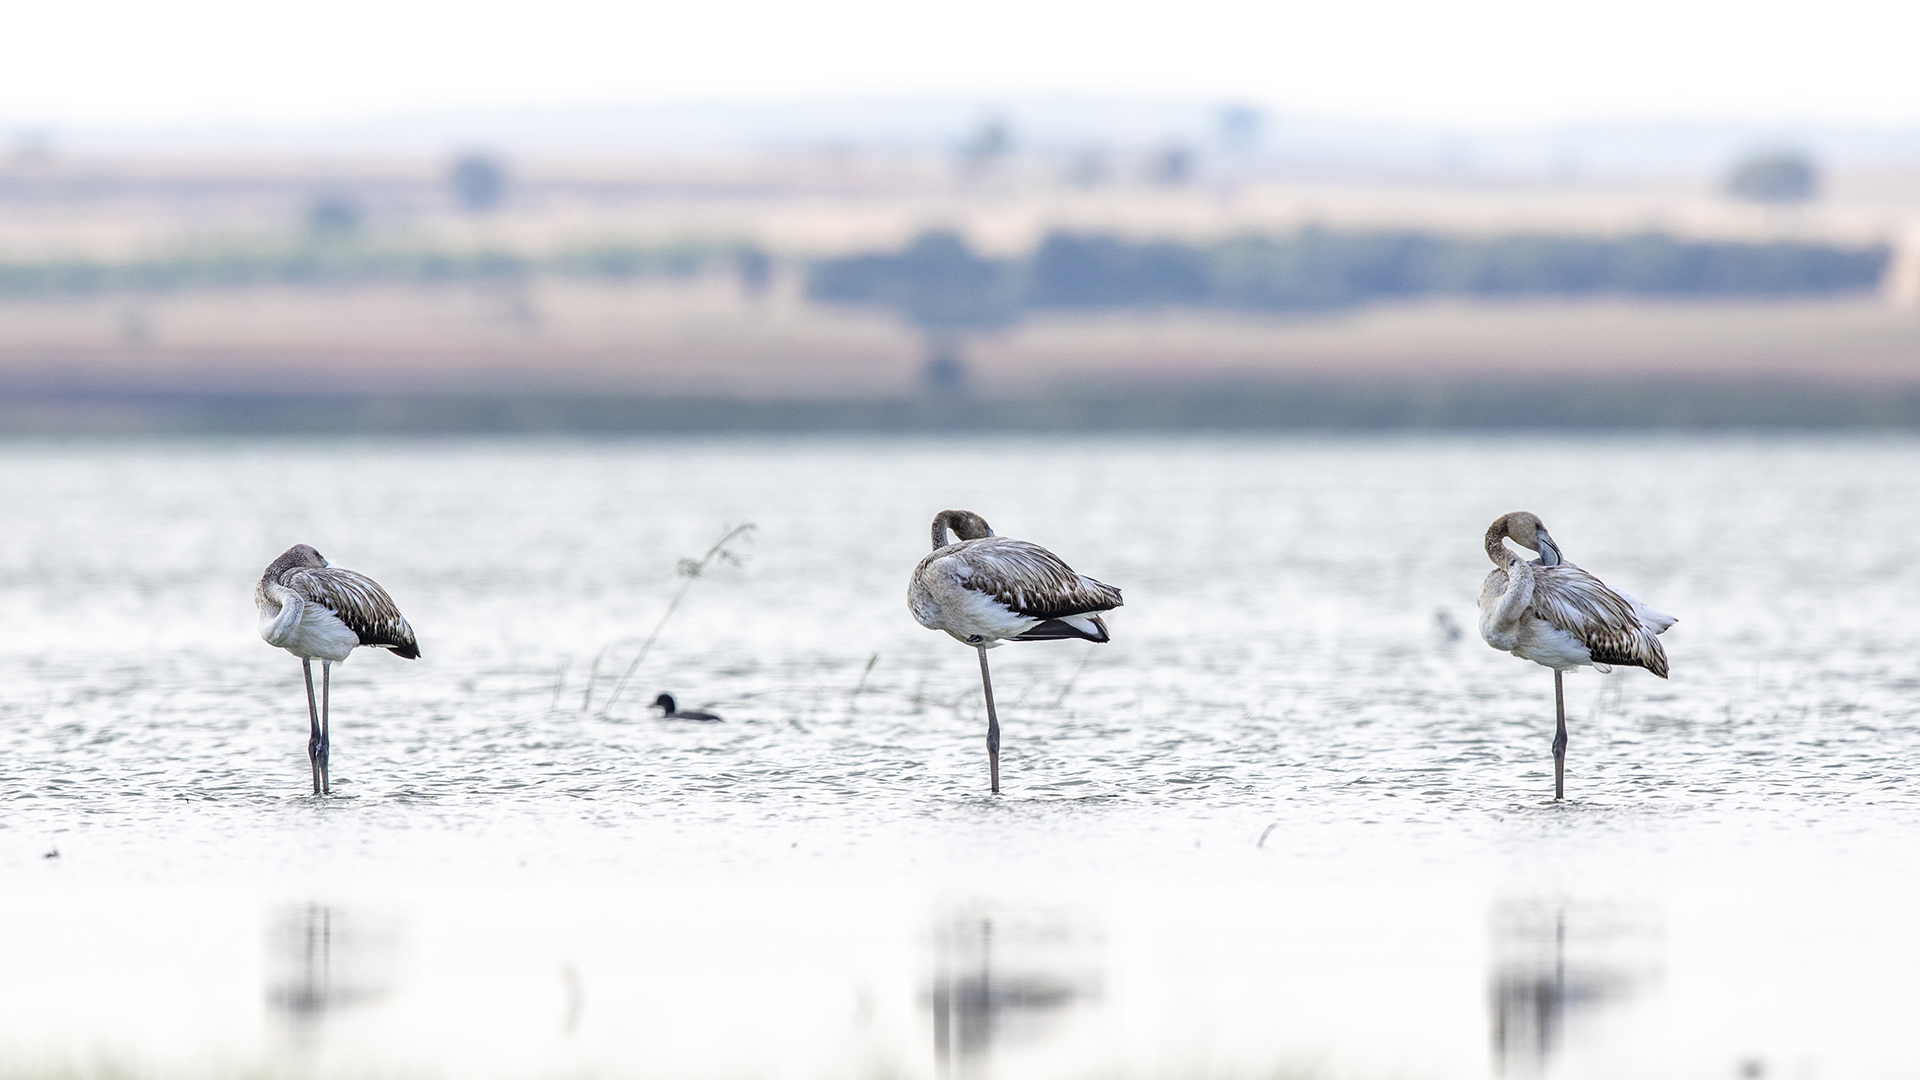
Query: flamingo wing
x=358 y=601
x=1031 y=581
x=1609 y=623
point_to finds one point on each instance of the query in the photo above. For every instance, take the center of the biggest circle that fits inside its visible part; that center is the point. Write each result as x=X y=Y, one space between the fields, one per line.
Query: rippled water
x=1285 y=824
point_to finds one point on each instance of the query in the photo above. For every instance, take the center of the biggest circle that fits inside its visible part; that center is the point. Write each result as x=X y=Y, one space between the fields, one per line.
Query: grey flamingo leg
x=326 y=719
x=1559 y=737
x=314 y=739
x=993 y=722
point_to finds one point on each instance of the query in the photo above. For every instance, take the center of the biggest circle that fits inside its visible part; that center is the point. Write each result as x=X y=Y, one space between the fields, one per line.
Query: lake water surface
x=1286 y=824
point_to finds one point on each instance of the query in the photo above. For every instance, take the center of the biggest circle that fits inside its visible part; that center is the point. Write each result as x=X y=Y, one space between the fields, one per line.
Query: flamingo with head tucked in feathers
x=314 y=609
x=984 y=589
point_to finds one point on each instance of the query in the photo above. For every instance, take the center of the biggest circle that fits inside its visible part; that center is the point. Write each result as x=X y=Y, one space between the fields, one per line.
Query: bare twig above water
x=1075 y=677
x=690 y=569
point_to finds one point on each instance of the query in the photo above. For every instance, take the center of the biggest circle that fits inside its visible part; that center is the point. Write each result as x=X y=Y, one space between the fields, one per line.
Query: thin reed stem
x=690 y=569
x=1075 y=677
x=862 y=684
x=593 y=679
x=559 y=683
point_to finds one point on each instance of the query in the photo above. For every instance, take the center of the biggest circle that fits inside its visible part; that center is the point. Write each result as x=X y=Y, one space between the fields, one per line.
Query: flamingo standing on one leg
x=312 y=608
x=1555 y=614
x=985 y=589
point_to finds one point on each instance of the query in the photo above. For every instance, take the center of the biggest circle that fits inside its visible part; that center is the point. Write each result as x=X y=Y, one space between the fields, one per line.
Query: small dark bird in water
x=670 y=712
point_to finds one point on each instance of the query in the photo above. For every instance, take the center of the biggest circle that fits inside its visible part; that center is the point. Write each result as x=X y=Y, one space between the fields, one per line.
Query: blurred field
x=703 y=337
x=695 y=336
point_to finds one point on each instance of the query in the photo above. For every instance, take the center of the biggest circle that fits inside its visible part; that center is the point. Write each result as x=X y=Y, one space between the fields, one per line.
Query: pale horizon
x=1491 y=65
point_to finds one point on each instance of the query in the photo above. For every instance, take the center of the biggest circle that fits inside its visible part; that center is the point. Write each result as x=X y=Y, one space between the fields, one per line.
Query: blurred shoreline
x=1325 y=405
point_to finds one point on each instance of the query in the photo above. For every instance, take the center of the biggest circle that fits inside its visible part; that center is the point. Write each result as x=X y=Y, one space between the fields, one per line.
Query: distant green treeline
x=938 y=281
x=351 y=263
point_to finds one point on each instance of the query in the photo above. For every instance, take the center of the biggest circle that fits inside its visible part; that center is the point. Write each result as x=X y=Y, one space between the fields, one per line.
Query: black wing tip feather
x=1656 y=663
x=1656 y=667
x=1060 y=630
x=405 y=650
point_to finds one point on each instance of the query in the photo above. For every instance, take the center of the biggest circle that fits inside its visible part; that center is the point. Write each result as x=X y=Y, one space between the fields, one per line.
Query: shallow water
x=1285 y=824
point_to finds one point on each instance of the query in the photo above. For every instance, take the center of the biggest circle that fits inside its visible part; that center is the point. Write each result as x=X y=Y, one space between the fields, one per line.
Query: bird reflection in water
x=1557 y=966
x=1004 y=978
x=320 y=961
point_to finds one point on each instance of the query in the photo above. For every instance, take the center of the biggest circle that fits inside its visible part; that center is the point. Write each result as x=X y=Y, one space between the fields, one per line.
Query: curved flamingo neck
x=1502 y=555
x=965 y=524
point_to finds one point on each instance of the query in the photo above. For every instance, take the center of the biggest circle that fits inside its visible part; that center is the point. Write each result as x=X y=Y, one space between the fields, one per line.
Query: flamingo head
x=965 y=524
x=1527 y=530
x=298 y=555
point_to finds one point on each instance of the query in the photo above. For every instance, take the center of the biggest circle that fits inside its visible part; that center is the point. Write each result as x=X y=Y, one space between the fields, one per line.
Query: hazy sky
x=1464 y=62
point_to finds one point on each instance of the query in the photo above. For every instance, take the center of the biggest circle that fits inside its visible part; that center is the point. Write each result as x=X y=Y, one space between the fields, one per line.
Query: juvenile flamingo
x=1555 y=614
x=984 y=589
x=314 y=609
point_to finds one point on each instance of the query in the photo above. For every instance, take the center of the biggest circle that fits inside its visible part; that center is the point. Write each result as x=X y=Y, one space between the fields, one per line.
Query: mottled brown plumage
x=1604 y=620
x=358 y=601
x=1030 y=580
x=1597 y=624
x=984 y=589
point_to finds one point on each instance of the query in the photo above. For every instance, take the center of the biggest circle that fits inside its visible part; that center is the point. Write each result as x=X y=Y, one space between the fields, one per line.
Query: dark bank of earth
x=1319 y=404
